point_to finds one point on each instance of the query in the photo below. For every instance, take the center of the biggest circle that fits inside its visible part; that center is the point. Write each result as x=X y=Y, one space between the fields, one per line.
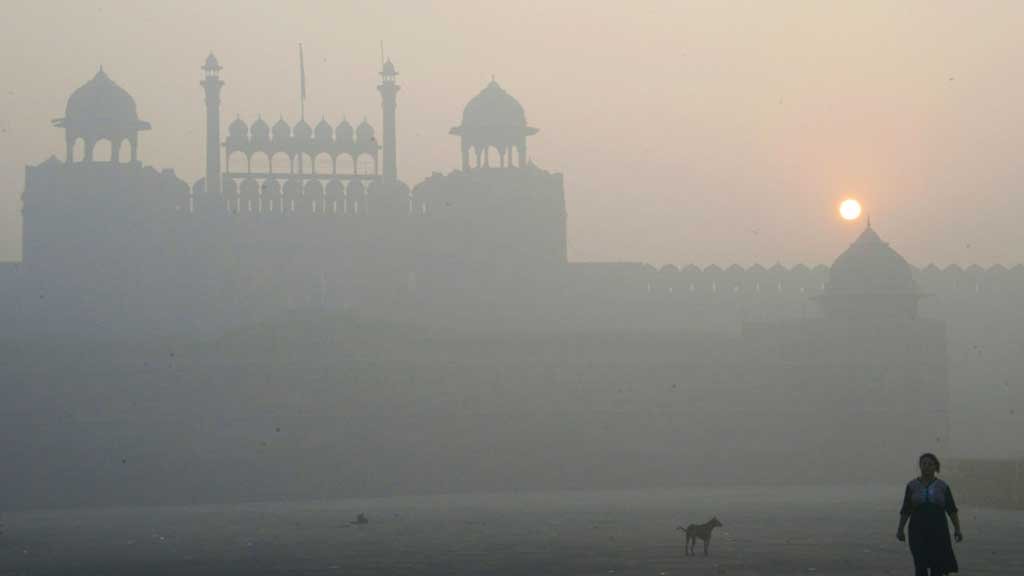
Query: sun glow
x=849 y=209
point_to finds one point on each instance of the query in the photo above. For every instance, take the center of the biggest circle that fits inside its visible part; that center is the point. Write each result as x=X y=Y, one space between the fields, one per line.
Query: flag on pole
x=302 y=81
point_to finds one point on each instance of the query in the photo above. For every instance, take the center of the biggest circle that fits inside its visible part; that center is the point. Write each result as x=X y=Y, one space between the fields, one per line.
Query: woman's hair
x=933 y=458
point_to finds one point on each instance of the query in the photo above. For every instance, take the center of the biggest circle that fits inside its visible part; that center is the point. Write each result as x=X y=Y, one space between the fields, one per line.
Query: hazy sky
x=687 y=132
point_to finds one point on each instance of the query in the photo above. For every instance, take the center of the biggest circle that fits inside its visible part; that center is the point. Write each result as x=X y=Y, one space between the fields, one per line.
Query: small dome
x=389 y=69
x=282 y=132
x=493 y=107
x=870 y=266
x=302 y=131
x=260 y=131
x=364 y=133
x=238 y=130
x=343 y=133
x=101 y=106
x=323 y=131
x=211 y=63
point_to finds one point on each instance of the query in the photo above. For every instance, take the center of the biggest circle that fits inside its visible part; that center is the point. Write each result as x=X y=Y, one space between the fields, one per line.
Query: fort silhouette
x=300 y=215
x=291 y=217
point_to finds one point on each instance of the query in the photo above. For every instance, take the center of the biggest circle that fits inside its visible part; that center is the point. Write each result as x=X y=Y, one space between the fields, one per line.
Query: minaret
x=212 y=84
x=389 y=101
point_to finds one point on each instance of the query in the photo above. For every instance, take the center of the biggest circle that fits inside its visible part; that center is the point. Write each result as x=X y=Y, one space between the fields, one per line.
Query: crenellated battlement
x=759 y=282
x=802 y=279
x=735 y=279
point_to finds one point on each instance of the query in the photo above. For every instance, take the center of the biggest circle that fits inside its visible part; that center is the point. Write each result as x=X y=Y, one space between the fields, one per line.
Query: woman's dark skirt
x=929 y=540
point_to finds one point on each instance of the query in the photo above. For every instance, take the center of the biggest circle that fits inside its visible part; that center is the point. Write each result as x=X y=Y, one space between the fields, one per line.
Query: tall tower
x=389 y=101
x=212 y=84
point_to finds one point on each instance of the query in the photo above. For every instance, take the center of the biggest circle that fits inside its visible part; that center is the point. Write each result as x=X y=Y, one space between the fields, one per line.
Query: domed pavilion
x=493 y=119
x=101 y=110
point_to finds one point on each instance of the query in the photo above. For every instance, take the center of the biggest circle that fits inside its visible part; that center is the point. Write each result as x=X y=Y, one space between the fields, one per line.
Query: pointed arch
x=355 y=196
x=103 y=150
x=323 y=163
x=270 y=196
x=249 y=197
x=238 y=162
x=229 y=195
x=292 y=195
x=313 y=197
x=334 y=197
x=344 y=163
x=280 y=162
x=259 y=162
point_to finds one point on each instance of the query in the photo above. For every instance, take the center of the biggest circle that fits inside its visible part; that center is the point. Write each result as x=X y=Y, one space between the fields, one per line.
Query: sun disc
x=849 y=209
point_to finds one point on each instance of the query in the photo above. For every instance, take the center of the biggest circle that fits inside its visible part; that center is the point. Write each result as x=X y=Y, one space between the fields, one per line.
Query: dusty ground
x=777 y=531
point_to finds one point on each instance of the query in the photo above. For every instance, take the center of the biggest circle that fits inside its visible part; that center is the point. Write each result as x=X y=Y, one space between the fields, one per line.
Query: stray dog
x=702 y=531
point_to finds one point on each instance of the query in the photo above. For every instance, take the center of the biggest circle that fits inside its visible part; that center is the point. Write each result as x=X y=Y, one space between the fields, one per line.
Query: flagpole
x=302 y=85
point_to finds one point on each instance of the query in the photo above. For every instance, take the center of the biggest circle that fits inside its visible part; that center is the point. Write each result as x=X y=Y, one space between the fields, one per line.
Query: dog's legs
x=706 y=543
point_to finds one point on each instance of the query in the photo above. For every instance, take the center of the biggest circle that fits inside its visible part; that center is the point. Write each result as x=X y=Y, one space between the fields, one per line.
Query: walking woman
x=926 y=503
